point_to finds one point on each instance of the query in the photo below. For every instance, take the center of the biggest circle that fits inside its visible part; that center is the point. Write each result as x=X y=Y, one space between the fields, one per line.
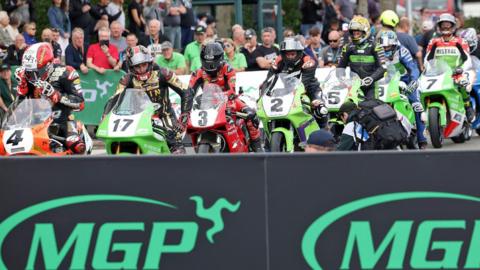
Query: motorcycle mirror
x=240 y=90
x=458 y=71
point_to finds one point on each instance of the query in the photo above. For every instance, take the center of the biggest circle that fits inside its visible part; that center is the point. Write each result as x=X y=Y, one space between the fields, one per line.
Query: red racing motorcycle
x=214 y=126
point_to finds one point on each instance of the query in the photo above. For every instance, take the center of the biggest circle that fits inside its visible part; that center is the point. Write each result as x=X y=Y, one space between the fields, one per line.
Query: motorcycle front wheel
x=434 y=127
x=278 y=142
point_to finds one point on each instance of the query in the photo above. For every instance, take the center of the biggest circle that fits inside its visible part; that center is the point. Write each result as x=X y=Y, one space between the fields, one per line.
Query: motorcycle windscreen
x=432 y=79
x=279 y=99
x=127 y=113
x=383 y=84
x=336 y=87
x=131 y=101
x=27 y=113
x=206 y=103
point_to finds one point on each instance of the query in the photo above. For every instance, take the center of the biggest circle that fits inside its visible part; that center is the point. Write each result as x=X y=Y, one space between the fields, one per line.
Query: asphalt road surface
x=473 y=144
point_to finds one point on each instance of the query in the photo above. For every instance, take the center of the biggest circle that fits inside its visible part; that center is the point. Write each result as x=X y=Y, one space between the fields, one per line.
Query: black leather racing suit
x=306 y=68
x=157 y=88
x=66 y=83
x=367 y=60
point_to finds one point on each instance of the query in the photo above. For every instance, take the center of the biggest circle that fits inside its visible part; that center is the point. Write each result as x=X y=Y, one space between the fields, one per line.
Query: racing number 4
x=16 y=137
x=127 y=123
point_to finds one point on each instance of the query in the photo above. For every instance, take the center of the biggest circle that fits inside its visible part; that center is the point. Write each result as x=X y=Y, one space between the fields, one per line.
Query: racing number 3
x=203 y=118
x=277 y=105
x=127 y=122
x=16 y=137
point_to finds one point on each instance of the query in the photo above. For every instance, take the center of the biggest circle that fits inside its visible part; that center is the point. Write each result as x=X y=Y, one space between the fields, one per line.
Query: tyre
x=278 y=143
x=478 y=131
x=434 y=127
x=465 y=136
x=203 y=148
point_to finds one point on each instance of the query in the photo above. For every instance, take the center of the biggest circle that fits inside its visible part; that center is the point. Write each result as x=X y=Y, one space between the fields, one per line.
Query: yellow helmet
x=389 y=18
x=359 y=23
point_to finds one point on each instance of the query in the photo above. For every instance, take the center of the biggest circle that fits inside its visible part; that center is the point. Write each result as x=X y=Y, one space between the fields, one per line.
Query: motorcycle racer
x=401 y=58
x=215 y=70
x=156 y=84
x=292 y=59
x=456 y=53
x=39 y=76
x=363 y=55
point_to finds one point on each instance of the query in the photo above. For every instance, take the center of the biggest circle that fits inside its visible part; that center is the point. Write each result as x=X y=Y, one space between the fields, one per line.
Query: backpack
x=380 y=121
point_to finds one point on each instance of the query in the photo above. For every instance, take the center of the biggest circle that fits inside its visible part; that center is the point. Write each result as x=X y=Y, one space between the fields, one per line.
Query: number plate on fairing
x=203 y=118
x=18 y=140
x=278 y=106
x=431 y=83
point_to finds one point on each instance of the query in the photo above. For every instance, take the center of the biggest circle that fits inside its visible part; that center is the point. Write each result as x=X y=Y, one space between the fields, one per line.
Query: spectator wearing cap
x=330 y=55
x=58 y=18
x=155 y=37
x=192 y=51
x=233 y=57
x=57 y=48
x=267 y=52
x=170 y=59
x=7 y=94
x=5 y=38
x=29 y=31
x=75 y=53
x=172 y=21
x=15 y=51
x=408 y=41
x=250 y=50
x=102 y=55
x=116 y=37
x=320 y=141
x=424 y=27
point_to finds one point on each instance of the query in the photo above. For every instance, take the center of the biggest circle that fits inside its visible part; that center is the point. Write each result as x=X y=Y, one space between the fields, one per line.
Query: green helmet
x=389 y=18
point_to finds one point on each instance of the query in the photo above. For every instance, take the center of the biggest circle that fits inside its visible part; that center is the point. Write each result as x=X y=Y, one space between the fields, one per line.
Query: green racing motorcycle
x=444 y=104
x=127 y=128
x=285 y=111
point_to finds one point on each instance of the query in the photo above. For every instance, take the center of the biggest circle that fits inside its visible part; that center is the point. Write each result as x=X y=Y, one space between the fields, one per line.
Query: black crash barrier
x=335 y=211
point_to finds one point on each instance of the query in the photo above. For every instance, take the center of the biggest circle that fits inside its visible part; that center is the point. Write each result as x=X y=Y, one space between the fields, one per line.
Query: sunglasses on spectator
x=332 y=40
x=227 y=45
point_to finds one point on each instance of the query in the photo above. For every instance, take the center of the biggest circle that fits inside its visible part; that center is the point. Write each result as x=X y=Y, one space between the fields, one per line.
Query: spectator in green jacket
x=170 y=59
x=192 y=51
x=7 y=95
x=233 y=57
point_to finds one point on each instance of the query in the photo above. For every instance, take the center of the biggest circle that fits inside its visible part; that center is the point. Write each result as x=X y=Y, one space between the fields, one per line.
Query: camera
x=104 y=42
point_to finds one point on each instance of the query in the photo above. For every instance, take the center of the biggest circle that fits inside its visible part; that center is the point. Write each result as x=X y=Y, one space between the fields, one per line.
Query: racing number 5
x=333 y=97
x=127 y=122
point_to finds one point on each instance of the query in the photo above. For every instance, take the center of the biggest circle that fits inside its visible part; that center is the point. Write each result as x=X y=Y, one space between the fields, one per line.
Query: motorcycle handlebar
x=241 y=115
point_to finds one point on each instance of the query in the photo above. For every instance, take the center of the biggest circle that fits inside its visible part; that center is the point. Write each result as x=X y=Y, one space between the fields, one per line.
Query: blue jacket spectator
x=57 y=15
x=76 y=51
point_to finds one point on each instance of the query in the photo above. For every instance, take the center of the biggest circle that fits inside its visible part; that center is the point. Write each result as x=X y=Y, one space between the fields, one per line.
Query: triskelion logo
x=394 y=246
x=44 y=239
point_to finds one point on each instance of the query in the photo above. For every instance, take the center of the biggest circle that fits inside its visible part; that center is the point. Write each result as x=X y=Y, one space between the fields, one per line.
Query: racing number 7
x=127 y=121
x=432 y=82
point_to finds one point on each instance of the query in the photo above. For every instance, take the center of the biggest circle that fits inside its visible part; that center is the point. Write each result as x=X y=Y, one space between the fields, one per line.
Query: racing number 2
x=16 y=137
x=127 y=122
x=277 y=105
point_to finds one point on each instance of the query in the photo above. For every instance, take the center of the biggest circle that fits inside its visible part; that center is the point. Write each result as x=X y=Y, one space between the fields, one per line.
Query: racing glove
x=417 y=106
x=251 y=116
x=48 y=91
x=367 y=81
